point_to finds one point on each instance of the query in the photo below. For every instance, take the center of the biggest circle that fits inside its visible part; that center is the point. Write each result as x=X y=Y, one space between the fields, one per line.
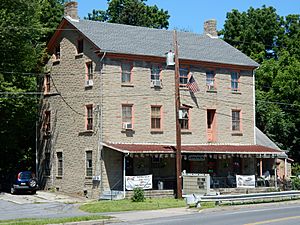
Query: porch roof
x=213 y=149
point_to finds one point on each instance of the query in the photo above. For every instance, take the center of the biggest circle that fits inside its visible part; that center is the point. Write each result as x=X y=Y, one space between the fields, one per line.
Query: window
x=211 y=125
x=89 y=163
x=90 y=71
x=210 y=118
x=47 y=122
x=183 y=76
x=79 y=46
x=210 y=80
x=126 y=72
x=59 y=164
x=47 y=164
x=57 y=52
x=127 y=116
x=184 y=118
x=47 y=83
x=234 y=81
x=89 y=117
x=236 y=120
x=156 y=117
x=155 y=72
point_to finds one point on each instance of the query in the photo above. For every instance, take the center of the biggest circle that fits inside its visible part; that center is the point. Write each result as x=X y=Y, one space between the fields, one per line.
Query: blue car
x=24 y=182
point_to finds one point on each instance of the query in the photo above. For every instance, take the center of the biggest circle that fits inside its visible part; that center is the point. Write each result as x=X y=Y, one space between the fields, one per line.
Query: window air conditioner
x=180 y=114
x=96 y=178
x=127 y=126
x=210 y=87
x=89 y=83
x=156 y=83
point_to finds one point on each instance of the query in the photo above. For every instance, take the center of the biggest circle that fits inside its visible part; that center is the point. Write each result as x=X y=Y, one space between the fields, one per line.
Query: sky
x=191 y=14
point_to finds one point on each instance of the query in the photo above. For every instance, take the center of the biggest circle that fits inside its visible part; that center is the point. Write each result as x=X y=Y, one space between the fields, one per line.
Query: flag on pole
x=192 y=84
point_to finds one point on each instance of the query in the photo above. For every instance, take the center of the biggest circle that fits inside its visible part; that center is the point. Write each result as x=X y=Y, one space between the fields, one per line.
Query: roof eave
x=56 y=34
x=58 y=31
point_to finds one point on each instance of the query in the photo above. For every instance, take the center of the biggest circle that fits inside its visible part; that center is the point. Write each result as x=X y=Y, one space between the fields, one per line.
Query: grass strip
x=260 y=201
x=33 y=221
x=128 y=205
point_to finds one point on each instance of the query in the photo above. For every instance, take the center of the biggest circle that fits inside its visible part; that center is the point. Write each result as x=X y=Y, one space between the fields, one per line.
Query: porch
x=222 y=162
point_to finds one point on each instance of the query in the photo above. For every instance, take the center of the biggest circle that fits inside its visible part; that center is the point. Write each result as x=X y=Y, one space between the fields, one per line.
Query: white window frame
x=60 y=164
x=236 y=120
x=89 y=163
x=126 y=73
x=184 y=118
x=235 y=77
x=155 y=72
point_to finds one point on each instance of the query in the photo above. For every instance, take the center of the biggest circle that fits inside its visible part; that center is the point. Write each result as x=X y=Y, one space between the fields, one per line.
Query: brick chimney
x=71 y=10
x=210 y=28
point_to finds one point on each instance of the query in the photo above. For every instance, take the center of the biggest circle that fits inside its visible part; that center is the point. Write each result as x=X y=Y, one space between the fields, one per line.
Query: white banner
x=144 y=182
x=245 y=181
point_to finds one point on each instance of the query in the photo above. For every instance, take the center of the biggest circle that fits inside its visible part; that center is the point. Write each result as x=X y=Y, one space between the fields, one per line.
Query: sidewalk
x=60 y=197
x=130 y=216
x=152 y=214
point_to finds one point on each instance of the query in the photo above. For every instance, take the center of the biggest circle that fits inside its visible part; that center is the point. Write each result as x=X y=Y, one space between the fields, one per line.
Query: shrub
x=295 y=169
x=138 y=195
x=296 y=183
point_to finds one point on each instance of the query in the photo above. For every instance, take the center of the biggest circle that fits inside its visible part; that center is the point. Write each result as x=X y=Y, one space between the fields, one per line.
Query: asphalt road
x=271 y=214
x=41 y=205
x=51 y=205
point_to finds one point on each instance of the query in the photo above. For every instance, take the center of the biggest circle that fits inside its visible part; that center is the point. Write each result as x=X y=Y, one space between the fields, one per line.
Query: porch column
x=285 y=168
x=124 y=176
x=275 y=172
x=242 y=165
x=260 y=167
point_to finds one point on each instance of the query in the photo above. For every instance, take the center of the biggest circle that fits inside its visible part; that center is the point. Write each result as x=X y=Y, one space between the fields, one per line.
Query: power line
x=23 y=73
x=65 y=100
x=21 y=93
x=150 y=96
x=280 y=103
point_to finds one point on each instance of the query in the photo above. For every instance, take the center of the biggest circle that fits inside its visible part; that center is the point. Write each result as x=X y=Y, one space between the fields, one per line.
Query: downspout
x=254 y=115
x=100 y=145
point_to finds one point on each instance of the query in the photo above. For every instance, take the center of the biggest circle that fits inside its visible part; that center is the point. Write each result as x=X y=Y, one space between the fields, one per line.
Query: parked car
x=24 y=182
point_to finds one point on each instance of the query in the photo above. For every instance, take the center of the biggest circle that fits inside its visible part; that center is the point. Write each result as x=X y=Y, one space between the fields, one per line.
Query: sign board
x=144 y=182
x=194 y=183
x=196 y=158
x=245 y=181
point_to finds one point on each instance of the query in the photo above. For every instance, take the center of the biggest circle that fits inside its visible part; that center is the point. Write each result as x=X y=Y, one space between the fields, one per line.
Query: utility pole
x=178 y=128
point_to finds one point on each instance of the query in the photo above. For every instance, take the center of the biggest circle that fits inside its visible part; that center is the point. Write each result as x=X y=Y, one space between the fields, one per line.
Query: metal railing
x=197 y=199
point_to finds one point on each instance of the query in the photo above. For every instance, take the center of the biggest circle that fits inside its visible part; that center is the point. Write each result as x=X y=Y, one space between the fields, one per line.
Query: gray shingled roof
x=135 y=40
x=264 y=140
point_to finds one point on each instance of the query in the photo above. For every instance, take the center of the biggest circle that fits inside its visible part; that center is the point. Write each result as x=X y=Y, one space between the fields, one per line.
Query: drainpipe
x=100 y=145
x=254 y=117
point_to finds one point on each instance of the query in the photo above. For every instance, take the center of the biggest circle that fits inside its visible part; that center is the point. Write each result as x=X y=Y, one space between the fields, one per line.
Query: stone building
x=109 y=110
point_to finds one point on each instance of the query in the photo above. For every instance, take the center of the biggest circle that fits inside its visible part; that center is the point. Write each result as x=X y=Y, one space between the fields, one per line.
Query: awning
x=212 y=149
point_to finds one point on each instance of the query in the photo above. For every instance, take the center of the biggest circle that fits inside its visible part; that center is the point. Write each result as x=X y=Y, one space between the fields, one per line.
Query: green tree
x=254 y=32
x=25 y=27
x=278 y=101
x=289 y=40
x=132 y=12
x=20 y=32
x=97 y=15
x=52 y=12
x=274 y=42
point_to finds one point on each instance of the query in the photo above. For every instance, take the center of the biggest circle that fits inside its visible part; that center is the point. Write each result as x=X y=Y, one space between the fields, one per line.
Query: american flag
x=192 y=84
